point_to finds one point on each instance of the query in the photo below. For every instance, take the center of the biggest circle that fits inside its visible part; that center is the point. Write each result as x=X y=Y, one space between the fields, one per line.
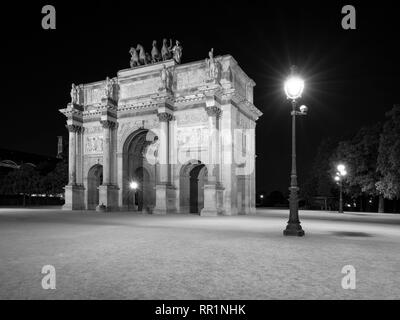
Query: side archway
x=193 y=177
x=94 y=180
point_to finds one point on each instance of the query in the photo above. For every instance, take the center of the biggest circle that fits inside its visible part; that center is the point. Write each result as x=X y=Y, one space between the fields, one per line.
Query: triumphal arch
x=164 y=137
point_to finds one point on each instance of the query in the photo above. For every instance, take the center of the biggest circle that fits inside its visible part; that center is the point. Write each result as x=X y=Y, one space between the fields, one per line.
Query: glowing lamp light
x=337 y=178
x=262 y=196
x=134 y=185
x=294 y=87
x=342 y=170
x=303 y=109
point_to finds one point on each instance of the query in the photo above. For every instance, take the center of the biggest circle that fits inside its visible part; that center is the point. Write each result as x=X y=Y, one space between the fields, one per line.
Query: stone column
x=163 y=151
x=72 y=129
x=164 y=191
x=213 y=190
x=79 y=156
x=74 y=194
x=108 y=193
x=214 y=114
x=108 y=126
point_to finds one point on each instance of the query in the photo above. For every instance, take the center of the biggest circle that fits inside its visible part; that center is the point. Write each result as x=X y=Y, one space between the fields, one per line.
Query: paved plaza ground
x=135 y=256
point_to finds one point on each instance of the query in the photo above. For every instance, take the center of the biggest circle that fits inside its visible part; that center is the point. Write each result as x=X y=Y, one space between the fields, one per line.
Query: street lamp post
x=294 y=87
x=340 y=174
x=341 y=197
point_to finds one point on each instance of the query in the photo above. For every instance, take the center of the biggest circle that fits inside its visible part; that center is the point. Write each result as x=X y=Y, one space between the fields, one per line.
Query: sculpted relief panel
x=94 y=144
x=191 y=79
x=93 y=140
x=140 y=88
x=192 y=137
x=93 y=95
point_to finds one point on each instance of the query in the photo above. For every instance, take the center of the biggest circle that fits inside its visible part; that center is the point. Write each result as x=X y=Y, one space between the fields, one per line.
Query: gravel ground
x=131 y=256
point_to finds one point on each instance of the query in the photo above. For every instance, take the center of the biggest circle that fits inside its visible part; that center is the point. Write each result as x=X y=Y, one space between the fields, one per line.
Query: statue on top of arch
x=76 y=94
x=140 y=57
x=111 y=89
x=213 y=67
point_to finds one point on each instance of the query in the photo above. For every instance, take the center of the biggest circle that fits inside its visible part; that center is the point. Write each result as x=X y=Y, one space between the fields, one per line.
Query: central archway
x=139 y=165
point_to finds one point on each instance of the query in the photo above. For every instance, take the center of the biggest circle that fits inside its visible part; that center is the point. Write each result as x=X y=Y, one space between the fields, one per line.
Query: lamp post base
x=293 y=229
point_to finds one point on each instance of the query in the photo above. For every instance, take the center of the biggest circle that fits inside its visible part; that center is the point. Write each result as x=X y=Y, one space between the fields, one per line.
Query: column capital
x=214 y=111
x=74 y=128
x=108 y=103
x=108 y=124
x=165 y=117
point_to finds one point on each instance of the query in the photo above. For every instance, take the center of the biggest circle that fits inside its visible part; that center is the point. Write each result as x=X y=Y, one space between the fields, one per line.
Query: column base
x=74 y=198
x=101 y=208
x=213 y=200
x=108 y=198
x=293 y=229
x=165 y=199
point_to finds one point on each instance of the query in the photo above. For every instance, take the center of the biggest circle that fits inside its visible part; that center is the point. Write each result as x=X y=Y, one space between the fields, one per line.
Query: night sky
x=352 y=76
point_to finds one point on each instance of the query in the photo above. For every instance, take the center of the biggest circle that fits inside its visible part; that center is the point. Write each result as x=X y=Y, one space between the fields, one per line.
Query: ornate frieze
x=93 y=130
x=187 y=118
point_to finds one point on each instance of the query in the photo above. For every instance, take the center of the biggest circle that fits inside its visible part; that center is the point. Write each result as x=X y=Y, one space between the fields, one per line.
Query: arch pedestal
x=74 y=198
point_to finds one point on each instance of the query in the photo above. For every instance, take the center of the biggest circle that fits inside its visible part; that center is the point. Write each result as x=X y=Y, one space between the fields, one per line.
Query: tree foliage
x=319 y=182
x=25 y=180
x=389 y=156
x=372 y=159
x=360 y=155
x=28 y=180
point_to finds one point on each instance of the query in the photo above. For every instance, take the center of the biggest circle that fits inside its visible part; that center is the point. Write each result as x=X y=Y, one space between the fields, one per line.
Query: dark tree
x=23 y=181
x=360 y=155
x=389 y=156
x=319 y=180
x=55 y=181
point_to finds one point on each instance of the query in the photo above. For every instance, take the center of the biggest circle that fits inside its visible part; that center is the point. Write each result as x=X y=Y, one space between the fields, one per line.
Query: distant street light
x=294 y=87
x=340 y=174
